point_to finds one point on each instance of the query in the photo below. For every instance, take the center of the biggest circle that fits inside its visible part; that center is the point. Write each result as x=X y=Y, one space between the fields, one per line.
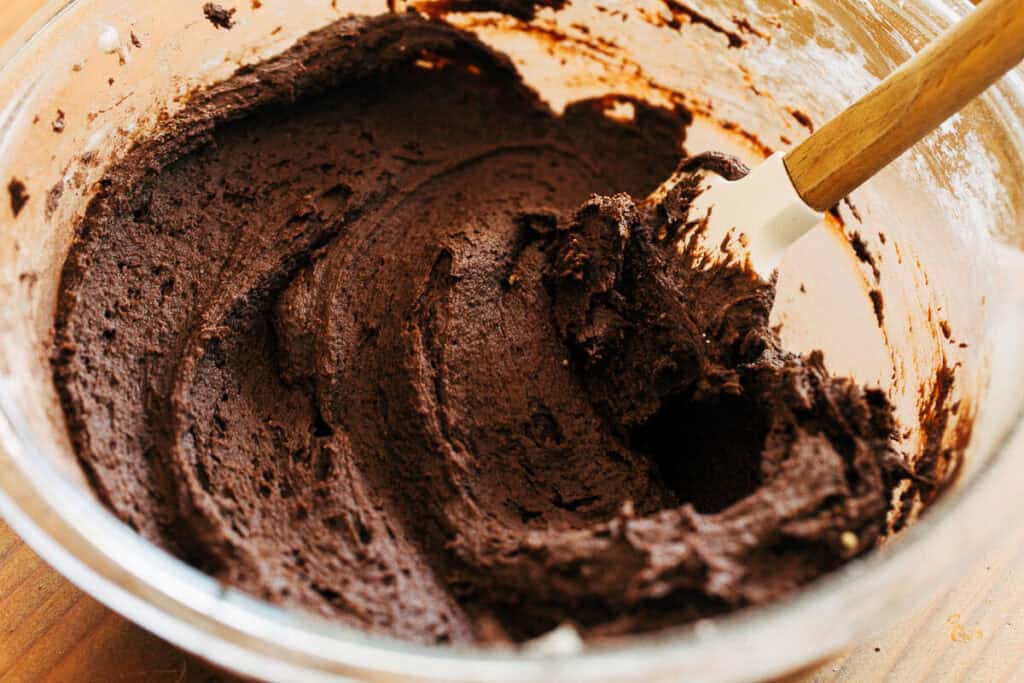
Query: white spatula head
x=751 y=219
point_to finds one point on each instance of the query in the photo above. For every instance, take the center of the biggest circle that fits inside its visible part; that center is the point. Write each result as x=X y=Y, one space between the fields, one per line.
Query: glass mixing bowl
x=944 y=226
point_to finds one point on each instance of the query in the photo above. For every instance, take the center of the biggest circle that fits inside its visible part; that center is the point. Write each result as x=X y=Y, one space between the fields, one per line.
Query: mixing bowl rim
x=195 y=612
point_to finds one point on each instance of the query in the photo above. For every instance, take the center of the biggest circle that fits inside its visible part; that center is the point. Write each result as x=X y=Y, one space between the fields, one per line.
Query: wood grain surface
x=50 y=630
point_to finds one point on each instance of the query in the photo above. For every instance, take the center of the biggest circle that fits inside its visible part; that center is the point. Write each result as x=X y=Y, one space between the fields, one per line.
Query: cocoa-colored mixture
x=370 y=331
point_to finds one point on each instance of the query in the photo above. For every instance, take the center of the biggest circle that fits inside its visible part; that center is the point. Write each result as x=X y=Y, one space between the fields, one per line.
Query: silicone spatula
x=785 y=196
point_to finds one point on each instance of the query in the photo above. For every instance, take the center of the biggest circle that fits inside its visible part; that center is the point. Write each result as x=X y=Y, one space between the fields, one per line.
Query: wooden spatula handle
x=925 y=91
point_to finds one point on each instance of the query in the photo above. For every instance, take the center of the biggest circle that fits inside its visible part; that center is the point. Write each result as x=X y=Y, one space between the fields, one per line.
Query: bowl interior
x=931 y=297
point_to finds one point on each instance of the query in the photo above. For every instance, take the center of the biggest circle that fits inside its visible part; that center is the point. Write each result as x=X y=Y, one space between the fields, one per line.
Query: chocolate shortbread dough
x=370 y=331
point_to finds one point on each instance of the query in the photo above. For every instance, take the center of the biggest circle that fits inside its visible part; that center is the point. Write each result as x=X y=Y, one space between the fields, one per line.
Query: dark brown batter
x=353 y=334
x=218 y=16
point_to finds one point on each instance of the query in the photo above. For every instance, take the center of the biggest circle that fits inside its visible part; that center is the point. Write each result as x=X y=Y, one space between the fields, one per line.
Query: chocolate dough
x=355 y=334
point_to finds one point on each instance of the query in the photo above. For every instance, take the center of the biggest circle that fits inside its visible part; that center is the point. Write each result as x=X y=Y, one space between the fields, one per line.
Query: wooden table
x=50 y=630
